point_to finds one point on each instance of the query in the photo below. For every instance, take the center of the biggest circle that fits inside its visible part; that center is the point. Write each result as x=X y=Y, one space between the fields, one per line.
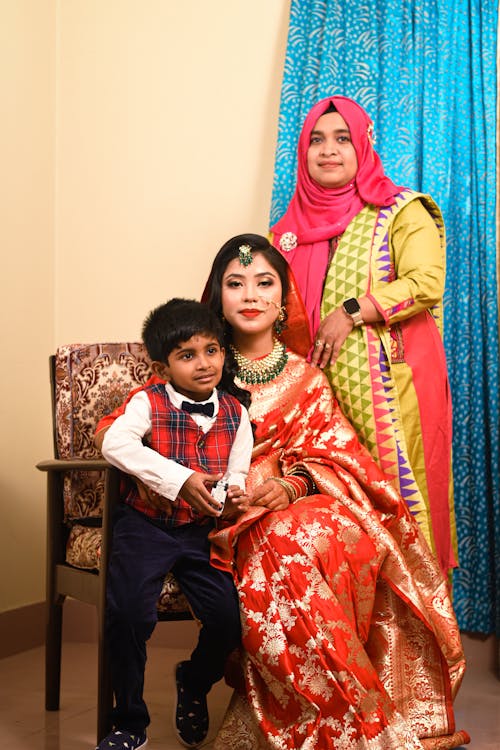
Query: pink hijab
x=316 y=214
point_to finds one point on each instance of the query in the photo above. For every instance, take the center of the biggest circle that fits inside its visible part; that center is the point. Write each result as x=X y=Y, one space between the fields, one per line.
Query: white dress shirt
x=123 y=446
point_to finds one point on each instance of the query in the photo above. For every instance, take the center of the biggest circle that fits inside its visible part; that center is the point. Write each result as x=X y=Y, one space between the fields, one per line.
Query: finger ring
x=319 y=343
x=327 y=345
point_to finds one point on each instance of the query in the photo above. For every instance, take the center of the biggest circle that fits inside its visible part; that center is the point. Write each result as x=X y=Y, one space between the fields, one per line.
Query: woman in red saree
x=349 y=635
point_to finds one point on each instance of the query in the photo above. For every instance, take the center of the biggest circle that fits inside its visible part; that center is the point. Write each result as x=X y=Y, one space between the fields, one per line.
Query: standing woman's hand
x=332 y=333
x=336 y=327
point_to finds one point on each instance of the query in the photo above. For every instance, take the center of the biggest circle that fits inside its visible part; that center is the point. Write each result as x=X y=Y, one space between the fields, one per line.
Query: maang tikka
x=245 y=255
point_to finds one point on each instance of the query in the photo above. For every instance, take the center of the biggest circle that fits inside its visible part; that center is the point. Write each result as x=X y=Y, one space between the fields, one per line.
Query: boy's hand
x=194 y=491
x=237 y=502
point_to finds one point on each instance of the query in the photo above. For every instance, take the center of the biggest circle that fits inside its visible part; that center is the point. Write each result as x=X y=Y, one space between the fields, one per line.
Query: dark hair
x=213 y=290
x=228 y=252
x=174 y=323
x=177 y=321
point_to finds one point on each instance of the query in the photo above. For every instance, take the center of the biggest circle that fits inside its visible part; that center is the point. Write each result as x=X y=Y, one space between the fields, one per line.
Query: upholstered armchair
x=87 y=382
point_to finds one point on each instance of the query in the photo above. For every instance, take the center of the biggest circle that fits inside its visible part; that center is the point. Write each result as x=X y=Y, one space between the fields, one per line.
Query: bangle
x=306 y=481
x=288 y=487
x=299 y=484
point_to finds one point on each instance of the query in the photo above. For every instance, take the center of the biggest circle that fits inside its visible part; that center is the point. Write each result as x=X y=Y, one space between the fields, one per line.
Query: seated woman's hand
x=271 y=494
x=99 y=438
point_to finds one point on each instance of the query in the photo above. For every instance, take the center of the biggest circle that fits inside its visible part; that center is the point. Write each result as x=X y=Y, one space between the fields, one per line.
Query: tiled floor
x=26 y=726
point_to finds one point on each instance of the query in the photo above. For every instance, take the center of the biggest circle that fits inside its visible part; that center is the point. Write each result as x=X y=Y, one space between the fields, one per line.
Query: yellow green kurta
x=390 y=379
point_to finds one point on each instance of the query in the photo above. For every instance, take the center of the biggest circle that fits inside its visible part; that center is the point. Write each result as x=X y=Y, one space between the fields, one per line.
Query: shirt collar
x=177 y=398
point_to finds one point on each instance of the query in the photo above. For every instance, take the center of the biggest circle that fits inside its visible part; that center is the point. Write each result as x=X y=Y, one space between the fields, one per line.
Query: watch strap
x=357 y=319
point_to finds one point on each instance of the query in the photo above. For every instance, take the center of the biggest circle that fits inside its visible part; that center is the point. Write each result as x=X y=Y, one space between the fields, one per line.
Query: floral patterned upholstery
x=91 y=381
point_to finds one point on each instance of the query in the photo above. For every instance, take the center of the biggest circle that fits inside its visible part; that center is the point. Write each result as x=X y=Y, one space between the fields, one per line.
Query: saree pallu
x=349 y=637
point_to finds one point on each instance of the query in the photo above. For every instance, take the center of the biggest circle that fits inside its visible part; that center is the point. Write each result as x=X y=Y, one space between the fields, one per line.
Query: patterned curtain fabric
x=425 y=70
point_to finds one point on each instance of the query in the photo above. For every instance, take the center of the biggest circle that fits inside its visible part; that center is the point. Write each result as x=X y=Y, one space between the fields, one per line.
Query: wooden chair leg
x=104 y=686
x=54 y=605
x=53 y=656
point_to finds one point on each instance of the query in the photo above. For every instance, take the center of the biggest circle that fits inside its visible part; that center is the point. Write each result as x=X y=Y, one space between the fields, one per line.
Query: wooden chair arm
x=57 y=528
x=80 y=464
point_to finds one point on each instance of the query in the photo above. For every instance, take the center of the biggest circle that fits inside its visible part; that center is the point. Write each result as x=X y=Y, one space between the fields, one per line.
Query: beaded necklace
x=256 y=371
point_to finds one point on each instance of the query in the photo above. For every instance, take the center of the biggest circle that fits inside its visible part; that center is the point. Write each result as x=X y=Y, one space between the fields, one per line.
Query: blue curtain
x=425 y=70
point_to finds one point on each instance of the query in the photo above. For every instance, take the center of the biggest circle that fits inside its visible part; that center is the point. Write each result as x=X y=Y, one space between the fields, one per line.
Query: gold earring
x=279 y=323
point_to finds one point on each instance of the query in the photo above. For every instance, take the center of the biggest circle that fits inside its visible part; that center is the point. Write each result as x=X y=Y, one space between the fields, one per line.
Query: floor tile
x=27 y=726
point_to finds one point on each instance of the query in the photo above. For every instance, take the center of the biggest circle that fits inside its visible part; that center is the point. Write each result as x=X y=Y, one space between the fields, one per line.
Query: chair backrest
x=89 y=381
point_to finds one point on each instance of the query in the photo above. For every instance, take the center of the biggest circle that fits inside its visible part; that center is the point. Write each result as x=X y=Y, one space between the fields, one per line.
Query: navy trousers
x=143 y=553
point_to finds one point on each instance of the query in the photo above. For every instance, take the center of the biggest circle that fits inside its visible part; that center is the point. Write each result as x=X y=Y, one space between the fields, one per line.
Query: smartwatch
x=351 y=307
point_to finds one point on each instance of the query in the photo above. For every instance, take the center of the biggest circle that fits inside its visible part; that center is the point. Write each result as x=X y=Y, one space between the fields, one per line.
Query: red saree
x=349 y=636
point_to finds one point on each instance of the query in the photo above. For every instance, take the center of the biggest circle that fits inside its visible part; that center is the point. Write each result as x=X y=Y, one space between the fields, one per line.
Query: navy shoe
x=191 y=711
x=121 y=739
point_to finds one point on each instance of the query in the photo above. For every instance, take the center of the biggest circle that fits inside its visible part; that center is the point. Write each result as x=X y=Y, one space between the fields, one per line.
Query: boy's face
x=194 y=368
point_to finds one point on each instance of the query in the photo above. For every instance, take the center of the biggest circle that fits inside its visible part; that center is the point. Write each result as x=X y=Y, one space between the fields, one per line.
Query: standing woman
x=368 y=258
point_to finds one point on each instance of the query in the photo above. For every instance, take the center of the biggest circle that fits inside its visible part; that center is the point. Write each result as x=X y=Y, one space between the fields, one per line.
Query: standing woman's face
x=331 y=157
x=251 y=295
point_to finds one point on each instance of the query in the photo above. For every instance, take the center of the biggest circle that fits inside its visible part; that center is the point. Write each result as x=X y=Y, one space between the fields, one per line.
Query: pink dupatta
x=316 y=214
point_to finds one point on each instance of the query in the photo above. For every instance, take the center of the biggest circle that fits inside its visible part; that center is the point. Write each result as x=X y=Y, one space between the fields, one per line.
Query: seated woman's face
x=251 y=295
x=331 y=158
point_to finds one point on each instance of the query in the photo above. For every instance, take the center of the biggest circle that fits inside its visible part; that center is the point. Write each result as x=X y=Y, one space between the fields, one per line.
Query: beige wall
x=140 y=136
x=167 y=117
x=27 y=95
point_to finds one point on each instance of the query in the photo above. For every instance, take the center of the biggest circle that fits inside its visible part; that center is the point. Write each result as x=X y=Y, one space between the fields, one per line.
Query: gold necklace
x=255 y=371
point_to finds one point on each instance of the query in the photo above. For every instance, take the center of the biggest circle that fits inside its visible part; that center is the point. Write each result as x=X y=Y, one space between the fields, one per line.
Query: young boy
x=178 y=438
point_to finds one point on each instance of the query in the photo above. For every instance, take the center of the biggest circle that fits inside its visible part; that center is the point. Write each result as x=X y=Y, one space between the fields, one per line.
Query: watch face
x=351 y=306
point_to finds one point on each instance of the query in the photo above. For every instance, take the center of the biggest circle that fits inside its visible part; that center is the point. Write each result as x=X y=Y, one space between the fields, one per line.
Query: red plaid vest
x=175 y=435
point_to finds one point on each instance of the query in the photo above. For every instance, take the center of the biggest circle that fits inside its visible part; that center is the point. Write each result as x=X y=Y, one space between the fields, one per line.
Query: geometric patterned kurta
x=390 y=379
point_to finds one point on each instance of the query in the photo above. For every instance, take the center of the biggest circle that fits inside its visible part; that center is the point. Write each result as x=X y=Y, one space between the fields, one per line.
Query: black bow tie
x=197 y=408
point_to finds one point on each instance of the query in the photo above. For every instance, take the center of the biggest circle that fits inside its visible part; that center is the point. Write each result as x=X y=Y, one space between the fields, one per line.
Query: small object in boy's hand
x=219 y=493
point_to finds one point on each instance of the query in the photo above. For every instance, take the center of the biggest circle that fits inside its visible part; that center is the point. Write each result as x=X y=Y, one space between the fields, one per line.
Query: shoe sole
x=139 y=747
x=174 y=722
